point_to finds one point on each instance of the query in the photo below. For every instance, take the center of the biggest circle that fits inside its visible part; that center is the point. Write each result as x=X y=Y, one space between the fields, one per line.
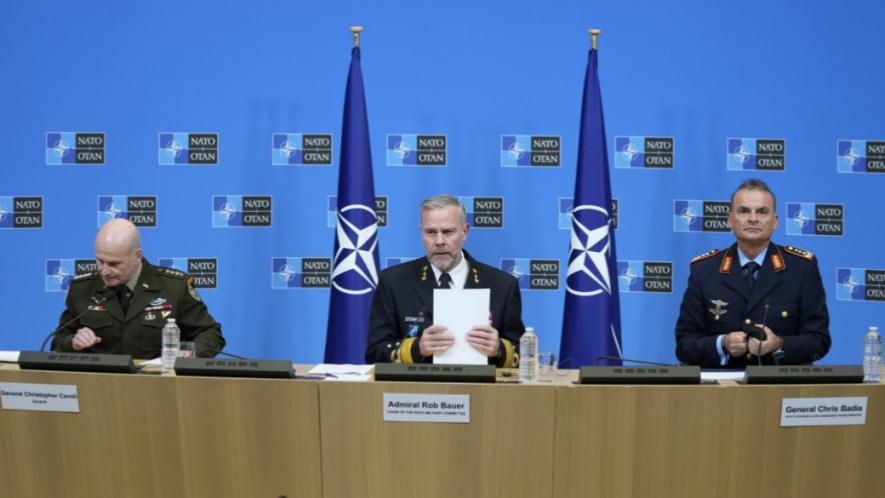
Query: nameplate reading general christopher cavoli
x=802 y=412
x=39 y=397
x=444 y=408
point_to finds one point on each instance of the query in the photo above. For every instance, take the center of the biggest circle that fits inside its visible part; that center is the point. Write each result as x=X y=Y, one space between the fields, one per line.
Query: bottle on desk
x=171 y=345
x=872 y=355
x=528 y=356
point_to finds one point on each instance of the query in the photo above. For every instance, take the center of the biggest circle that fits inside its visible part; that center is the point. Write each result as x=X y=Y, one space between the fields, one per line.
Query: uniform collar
x=458 y=273
x=759 y=259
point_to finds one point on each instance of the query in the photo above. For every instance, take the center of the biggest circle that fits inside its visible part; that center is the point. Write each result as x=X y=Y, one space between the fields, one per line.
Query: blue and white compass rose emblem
x=356 y=239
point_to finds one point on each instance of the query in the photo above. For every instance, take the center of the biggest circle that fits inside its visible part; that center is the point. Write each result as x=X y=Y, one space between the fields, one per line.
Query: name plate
x=39 y=397
x=802 y=412
x=444 y=408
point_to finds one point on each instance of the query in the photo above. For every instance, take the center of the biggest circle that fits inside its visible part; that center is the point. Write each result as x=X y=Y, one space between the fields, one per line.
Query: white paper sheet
x=9 y=356
x=459 y=310
x=717 y=375
x=330 y=371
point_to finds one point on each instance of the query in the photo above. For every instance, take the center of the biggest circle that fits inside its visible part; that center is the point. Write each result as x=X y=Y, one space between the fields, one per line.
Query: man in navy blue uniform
x=400 y=325
x=753 y=283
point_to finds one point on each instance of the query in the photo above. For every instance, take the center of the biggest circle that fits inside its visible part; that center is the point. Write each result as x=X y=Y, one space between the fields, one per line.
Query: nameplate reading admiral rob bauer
x=445 y=408
x=802 y=412
x=39 y=397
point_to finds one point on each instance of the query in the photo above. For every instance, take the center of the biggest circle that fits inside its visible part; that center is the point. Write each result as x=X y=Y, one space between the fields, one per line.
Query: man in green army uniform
x=127 y=301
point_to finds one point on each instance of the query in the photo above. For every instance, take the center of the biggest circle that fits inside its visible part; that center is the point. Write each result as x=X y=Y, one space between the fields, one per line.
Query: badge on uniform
x=150 y=316
x=191 y=289
x=718 y=310
x=158 y=301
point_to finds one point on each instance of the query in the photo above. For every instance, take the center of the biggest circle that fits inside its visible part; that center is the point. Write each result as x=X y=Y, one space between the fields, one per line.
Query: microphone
x=231 y=355
x=425 y=315
x=764 y=335
x=758 y=332
x=622 y=359
x=96 y=301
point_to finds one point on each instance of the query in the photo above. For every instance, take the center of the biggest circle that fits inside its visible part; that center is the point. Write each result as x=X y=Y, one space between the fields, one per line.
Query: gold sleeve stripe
x=405 y=350
x=510 y=359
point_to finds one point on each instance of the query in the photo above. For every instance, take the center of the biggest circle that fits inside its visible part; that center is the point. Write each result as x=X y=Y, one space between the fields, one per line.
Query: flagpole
x=594 y=36
x=356 y=30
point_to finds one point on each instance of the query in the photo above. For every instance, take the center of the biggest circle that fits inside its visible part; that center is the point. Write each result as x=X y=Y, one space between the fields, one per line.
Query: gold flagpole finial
x=356 y=30
x=594 y=37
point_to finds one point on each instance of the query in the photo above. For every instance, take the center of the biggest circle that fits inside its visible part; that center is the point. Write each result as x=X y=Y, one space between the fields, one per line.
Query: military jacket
x=788 y=297
x=403 y=305
x=160 y=293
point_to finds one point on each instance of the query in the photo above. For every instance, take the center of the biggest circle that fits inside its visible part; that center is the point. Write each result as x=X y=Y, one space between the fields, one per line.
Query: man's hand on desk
x=735 y=343
x=771 y=343
x=85 y=338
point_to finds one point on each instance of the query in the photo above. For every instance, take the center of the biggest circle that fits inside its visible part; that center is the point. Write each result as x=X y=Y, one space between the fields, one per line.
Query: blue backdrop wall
x=698 y=96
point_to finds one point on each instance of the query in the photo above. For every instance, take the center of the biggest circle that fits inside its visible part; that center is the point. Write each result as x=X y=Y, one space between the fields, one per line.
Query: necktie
x=750 y=273
x=445 y=281
x=123 y=297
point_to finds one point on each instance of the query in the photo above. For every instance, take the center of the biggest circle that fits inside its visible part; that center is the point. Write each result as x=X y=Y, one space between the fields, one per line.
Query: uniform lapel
x=735 y=277
x=425 y=284
x=473 y=275
x=145 y=291
x=113 y=306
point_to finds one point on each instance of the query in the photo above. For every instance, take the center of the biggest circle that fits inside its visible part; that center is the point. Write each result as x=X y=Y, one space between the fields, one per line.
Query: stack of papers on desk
x=328 y=371
x=9 y=356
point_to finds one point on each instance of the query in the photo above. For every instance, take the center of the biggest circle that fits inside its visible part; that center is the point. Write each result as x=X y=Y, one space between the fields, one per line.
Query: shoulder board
x=171 y=272
x=802 y=253
x=708 y=254
x=84 y=276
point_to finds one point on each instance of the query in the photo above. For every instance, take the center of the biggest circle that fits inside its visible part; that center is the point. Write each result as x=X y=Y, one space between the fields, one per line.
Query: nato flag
x=591 y=325
x=355 y=264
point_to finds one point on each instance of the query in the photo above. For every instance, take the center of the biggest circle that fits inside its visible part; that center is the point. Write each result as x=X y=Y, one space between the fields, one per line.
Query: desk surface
x=147 y=435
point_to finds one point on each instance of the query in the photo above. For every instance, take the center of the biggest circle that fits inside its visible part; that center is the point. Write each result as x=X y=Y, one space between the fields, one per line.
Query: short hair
x=755 y=184
x=441 y=201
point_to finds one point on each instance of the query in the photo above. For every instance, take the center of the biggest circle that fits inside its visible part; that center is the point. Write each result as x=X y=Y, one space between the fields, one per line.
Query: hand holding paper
x=458 y=311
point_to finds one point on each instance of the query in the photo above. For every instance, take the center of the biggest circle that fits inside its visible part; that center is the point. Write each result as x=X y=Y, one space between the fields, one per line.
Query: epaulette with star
x=706 y=255
x=84 y=276
x=802 y=253
x=171 y=272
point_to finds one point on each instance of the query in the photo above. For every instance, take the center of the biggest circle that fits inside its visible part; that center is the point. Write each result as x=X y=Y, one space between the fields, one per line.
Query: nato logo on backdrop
x=241 y=211
x=332 y=211
x=860 y=284
x=860 y=156
x=300 y=273
x=809 y=218
x=700 y=216
x=484 y=212
x=141 y=210
x=645 y=276
x=75 y=148
x=566 y=204
x=644 y=152
x=188 y=148
x=762 y=154
x=416 y=150
x=21 y=211
x=60 y=272
x=533 y=274
x=525 y=151
x=303 y=149
x=204 y=271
